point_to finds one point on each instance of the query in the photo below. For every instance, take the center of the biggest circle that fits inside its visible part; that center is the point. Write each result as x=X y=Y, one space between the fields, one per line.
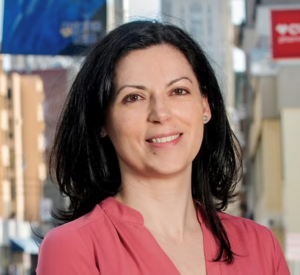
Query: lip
x=164 y=135
x=165 y=144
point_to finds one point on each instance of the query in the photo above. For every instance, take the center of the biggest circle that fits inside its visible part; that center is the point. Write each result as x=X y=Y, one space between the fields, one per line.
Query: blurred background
x=254 y=47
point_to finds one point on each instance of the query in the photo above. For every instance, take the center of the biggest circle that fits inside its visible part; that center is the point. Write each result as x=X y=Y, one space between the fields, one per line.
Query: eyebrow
x=178 y=79
x=140 y=87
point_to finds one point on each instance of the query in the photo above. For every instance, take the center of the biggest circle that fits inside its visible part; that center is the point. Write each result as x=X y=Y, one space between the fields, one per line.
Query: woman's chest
x=187 y=259
x=134 y=250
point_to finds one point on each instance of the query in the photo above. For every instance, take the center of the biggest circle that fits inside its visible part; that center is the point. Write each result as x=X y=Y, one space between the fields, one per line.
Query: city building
x=56 y=85
x=209 y=22
x=22 y=167
x=5 y=190
x=272 y=158
x=22 y=146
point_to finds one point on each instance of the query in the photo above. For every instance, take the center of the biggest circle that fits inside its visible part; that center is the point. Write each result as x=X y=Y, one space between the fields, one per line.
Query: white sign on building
x=292 y=246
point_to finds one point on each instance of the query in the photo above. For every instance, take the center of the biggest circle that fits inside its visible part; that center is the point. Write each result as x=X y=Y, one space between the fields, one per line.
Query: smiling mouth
x=164 y=139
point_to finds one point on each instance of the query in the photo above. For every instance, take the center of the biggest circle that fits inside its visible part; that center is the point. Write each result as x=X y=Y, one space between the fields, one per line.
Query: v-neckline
x=163 y=253
x=130 y=214
x=209 y=246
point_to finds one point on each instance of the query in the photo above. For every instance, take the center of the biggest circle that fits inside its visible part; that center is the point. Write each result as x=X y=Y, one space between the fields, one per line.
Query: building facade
x=22 y=169
x=209 y=22
x=272 y=159
x=22 y=146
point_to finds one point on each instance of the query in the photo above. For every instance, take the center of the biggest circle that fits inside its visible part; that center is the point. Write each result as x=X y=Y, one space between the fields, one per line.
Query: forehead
x=156 y=63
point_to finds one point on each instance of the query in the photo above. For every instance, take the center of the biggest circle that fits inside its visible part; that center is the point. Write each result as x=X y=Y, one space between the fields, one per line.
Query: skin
x=157 y=94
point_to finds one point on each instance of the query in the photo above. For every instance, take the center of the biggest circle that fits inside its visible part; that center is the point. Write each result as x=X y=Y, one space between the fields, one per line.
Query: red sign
x=285 y=33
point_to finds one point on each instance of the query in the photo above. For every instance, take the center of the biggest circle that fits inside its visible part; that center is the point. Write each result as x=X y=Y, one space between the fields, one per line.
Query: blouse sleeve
x=282 y=267
x=65 y=253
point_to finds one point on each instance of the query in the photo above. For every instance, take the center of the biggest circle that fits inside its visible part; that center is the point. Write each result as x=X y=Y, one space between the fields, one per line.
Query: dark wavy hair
x=85 y=166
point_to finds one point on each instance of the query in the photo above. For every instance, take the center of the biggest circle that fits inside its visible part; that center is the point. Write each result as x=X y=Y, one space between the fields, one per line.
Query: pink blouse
x=112 y=240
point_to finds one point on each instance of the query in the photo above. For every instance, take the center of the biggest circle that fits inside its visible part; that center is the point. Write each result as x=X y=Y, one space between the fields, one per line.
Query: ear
x=103 y=132
x=206 y=110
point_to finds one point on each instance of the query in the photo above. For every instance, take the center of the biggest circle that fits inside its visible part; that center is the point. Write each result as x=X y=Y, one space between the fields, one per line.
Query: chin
x=167 y=170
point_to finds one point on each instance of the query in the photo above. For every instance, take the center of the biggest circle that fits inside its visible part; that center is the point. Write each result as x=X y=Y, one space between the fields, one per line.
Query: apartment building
x=271 y=189
x=22 y=146
x=22 y=168
x=209 y=22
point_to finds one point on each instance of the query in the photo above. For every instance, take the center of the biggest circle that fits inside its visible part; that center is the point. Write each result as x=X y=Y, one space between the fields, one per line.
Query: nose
x=160 y=110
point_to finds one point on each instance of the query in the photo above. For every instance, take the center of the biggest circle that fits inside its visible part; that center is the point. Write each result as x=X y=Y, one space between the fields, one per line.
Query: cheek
x=191 y=112
x=194 y=117
x=122 y=129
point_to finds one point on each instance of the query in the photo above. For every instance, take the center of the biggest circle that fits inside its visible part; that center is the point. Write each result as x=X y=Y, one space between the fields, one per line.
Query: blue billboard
x=52 y=27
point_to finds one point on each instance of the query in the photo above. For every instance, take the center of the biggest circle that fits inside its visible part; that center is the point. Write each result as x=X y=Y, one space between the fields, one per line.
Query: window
x=39 y=86
x=41 y=142
x=42 y=172
x=3 y=85
x=4 y=120
x=5 y=156
x=40 y=112
x=9 y=93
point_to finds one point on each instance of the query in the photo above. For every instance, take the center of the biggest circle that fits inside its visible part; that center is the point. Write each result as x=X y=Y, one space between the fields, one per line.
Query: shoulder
x=61 y=244
x=69 y=231
x=241 y=224
x=249 y=238
x=68 y=243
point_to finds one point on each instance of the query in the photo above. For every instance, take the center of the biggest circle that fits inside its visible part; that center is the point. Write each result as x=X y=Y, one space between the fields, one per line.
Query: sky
x=149 y=10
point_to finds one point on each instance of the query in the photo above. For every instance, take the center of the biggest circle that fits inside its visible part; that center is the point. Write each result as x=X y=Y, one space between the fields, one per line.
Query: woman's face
x=155 y=119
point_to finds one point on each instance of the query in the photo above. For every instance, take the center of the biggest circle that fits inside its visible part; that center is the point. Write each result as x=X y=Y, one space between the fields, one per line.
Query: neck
x=166 y=204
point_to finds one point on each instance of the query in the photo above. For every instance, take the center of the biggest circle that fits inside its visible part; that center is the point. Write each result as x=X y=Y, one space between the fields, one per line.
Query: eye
x=180 y=91
x=132 y=98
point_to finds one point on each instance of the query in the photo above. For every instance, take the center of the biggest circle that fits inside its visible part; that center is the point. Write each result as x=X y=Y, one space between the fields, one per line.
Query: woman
x=146 y=155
